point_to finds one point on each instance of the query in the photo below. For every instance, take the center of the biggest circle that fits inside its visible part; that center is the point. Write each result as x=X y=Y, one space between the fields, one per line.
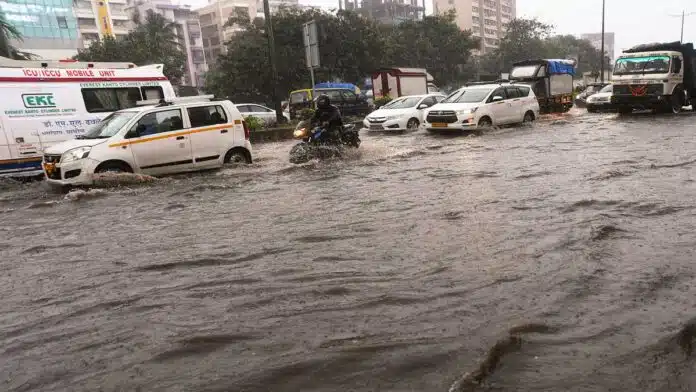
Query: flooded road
x=546 y=258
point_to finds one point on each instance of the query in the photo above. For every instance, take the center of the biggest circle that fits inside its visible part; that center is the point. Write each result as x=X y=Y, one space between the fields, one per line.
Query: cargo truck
x=658 y=76
x=397 y=82
x=551 y=80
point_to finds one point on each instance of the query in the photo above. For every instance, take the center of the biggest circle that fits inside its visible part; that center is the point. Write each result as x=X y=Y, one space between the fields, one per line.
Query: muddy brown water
x=546 y=258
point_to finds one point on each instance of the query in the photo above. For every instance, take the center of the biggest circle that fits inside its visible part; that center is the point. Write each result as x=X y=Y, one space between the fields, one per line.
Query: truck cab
x=658 y=77
x=551 y=80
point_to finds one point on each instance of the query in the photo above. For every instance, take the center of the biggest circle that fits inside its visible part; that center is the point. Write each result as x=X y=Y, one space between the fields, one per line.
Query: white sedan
x=265 y=114
x=402 y=114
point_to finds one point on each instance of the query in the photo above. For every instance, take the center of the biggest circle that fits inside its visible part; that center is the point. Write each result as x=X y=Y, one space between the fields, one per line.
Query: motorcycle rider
x=328 y=117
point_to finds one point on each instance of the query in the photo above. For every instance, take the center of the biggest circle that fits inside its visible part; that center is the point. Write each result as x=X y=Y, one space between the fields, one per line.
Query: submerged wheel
x=485 y=123
x=676 y=101
x=412 y=125
x=528 y=117
x=237 y=155
x=113 y=167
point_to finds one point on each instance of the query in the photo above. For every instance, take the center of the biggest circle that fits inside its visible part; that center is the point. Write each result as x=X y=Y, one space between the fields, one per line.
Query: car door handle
x=223 y=131
x=180 y=137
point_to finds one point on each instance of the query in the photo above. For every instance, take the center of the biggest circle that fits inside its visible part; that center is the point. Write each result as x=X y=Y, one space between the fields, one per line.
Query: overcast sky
x=633 y=21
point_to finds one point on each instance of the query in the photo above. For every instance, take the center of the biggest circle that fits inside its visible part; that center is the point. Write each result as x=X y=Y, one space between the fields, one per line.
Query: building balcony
x=118 y=2
x=120 y=16
x=120 y=30
x=88 y=29
x=84 y=12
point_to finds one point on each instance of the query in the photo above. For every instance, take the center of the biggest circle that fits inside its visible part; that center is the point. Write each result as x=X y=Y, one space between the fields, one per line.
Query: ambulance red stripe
x=80 y=80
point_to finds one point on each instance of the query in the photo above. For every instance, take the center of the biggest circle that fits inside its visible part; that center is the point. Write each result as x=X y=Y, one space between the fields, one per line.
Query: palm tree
x=159 y=32
x=7 y=33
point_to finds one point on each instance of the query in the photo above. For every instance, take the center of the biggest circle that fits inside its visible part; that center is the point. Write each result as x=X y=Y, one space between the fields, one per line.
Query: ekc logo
x=39 y=100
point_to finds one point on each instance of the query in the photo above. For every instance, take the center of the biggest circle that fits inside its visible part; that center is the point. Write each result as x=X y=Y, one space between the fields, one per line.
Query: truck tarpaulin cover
x=561 y=67
x=348 y=86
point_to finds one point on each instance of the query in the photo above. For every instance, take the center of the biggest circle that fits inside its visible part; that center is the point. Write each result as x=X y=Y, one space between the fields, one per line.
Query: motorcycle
x=316 y=143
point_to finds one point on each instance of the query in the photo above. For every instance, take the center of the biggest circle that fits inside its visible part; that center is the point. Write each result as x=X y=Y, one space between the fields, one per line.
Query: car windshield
x=471 y=95
x=402 y=103
x=109 y=126
x=526 y=71
x=607 y=89
x=642 y=65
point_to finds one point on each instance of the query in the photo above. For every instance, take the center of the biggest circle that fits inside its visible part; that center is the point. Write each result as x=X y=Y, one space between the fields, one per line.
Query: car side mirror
x=135 y=132
x=423 y=106
x=497 y=98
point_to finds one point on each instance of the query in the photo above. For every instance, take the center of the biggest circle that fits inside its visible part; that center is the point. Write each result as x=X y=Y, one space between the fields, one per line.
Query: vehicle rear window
x=524 y=91
x=299 y=97
x=154 y=92
x=202 y=116
x=100 y=100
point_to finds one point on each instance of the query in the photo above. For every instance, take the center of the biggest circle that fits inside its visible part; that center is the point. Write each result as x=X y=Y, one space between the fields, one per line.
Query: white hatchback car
x=265 y=114
x=483 y=105
x=183 y=134
x=401 y=114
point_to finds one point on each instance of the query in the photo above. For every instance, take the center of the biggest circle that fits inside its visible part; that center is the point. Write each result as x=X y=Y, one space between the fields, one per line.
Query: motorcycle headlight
x=300 y=132
x=76 y=154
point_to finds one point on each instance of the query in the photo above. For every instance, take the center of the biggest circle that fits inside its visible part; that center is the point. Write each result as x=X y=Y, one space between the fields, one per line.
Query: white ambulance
x=45 y=102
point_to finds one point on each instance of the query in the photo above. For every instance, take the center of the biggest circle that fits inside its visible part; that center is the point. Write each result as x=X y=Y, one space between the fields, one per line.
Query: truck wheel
x=676 y=101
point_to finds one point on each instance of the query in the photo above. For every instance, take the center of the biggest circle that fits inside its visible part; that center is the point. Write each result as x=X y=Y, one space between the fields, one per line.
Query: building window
x=475 y=10
x=476 y=20
x=62 y=22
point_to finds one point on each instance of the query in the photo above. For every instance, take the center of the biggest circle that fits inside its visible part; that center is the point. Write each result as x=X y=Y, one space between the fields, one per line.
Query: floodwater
x=558 y=257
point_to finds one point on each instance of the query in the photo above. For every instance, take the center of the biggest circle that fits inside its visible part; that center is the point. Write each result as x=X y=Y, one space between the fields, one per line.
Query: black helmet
x=323 y=101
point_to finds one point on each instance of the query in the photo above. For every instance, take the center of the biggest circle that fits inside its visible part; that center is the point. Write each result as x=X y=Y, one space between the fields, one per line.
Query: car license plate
x=440 y=125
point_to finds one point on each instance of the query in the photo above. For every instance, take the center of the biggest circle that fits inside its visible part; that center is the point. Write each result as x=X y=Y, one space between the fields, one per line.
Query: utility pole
x=601 y=67
x=272 y=61
x=683 y=16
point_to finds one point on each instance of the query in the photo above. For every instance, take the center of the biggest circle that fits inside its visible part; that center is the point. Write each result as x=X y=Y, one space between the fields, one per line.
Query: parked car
x=600 y=101
x=265 y=114
x=182 y=134
x=592 y=88
x=480 y=106
x=350 y=103
x=402 y=114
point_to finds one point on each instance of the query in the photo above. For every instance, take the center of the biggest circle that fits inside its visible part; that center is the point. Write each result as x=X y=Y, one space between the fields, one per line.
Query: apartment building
x=609 y=42
x=215 y=15
x=485 y=18
x=189 y=30
x=388 y=11
x=99 y=18
x=213 y=18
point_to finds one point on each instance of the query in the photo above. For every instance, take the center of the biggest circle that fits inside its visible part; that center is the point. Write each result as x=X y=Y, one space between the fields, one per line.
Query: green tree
x=350 y=47
x=435 y=43
x=8 y=32
x=524 y=40
x=153 y=41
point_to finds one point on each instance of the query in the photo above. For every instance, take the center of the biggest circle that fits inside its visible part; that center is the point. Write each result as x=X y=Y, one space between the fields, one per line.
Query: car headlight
x=466 y=111
x=76 y=154
x=392 y=117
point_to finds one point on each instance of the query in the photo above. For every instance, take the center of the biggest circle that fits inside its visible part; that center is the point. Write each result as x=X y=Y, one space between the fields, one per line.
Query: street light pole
x=683 y=16
x=272 y=61
x=601 y=67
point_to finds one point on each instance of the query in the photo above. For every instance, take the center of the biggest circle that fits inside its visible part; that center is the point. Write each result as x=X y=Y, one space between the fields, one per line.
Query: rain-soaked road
x=558 y=257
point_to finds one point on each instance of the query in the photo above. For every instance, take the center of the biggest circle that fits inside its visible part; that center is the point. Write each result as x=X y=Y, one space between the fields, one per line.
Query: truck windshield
x=469 y=95
x=641 y=65
x=527 y=71
x=109 y=126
